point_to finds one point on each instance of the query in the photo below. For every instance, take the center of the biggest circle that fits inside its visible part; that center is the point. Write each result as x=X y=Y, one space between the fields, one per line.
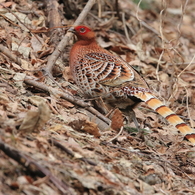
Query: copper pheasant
x=99 y=73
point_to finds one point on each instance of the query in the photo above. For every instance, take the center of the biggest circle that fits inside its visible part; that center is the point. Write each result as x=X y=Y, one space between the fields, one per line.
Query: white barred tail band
x=168 y=114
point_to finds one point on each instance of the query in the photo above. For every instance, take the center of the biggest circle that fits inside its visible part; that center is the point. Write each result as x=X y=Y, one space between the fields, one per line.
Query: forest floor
x=52 y=141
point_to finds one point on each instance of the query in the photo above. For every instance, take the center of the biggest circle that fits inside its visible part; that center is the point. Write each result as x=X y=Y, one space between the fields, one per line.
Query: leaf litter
x=51 y=146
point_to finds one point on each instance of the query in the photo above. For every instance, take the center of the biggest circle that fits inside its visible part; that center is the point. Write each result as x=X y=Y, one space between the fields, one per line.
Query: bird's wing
x=112 y=71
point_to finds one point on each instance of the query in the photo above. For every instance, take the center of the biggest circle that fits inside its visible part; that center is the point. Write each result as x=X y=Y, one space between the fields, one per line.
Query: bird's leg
x=101 y=106
x=131 y=116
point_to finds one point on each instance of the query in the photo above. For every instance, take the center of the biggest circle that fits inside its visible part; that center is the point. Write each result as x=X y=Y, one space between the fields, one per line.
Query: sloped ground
x=53 y=146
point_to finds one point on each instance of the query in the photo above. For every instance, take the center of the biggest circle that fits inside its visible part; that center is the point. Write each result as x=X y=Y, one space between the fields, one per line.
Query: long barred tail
x=168 y=114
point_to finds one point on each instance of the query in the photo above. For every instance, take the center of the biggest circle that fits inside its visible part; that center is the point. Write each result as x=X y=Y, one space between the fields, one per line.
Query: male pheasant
x=99 y=73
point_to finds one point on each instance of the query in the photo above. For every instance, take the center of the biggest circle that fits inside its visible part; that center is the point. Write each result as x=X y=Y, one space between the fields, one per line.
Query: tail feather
x=168 y=114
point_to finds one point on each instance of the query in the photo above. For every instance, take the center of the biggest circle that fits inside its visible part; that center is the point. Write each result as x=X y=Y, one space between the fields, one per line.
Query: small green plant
x=135 y=130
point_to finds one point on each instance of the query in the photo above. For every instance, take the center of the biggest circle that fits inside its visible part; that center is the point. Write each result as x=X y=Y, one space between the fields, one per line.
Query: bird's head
x=82 y=32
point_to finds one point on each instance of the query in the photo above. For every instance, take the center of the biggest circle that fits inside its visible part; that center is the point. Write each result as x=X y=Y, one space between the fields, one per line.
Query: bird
x=100 y=73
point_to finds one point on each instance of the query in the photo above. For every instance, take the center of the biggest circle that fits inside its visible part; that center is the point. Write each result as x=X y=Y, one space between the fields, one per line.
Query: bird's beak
x=71 y=29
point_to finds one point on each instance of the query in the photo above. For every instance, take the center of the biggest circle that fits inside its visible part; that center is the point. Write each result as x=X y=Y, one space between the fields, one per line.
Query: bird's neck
x=83 y=47
x=86 y=42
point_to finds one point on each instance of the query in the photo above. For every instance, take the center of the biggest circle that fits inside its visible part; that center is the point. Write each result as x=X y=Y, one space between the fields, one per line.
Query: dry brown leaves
x=158 y=39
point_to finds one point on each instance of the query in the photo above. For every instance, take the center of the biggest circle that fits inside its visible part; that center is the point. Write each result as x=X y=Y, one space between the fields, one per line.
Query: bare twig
x=180 y=64
x=7 y=52
x=9 y=10
x=53 y=13
x=181 y=19
x=187 y=106
x=125 y=28
x=191 y=62
x=51 y=62
x=52 y=59
x=33 y=166
x=117 y=9
x=66 y=96
x=141 y=21
x=121 y=130
x=68 y=151
x=15 y=58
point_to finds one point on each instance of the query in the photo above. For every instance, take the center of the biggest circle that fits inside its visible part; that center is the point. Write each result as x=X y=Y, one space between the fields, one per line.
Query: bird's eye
x=82 y=30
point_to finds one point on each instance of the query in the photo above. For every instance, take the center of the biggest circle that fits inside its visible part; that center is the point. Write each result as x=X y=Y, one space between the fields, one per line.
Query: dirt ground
x=53 y=140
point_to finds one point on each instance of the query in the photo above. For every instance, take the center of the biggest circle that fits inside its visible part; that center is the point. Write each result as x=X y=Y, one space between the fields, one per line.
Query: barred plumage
x=99 y=73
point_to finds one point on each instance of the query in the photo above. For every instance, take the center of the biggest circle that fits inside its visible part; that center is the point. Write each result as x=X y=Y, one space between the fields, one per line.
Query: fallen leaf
x=35 y=119
x=36 y=100
x=24 y=50
x=19 y=79
x=188 y=76
x=36 y=43
x=86 y=126
x=66 y=104
x=67 y=74
x=30 y=121
x=6 y=4
x=117 y=120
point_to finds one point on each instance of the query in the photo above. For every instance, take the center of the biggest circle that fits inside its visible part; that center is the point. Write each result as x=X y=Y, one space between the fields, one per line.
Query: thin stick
x=191 y=62
x=121 y=130
x=52 y=59
x=125 y=28
x=34 y=166
x=187 y=106
x=181 y=19
x=179 y=64
x=68 y=151
x=9 y=10
x=66 y=96
x=137 y=11
x=13 y=57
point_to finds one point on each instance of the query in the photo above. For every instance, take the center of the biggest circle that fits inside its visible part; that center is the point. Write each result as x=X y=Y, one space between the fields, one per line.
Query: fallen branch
x=33 y=166
x=66 y=96
x=52 y=59
x=51 y=62
x=69 y=152
x=13 y=57
x=40 y=85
